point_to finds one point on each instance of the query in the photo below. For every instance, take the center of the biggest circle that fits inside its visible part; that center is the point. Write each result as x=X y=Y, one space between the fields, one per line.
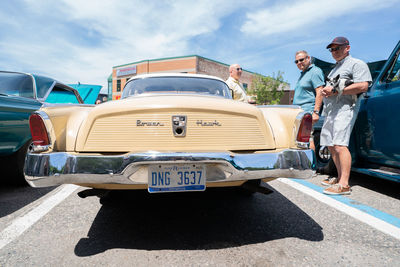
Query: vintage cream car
x=169 y=133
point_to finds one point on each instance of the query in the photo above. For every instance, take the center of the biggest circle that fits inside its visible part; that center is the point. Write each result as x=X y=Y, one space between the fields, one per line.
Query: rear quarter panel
x=282 y=120
x=65 y=123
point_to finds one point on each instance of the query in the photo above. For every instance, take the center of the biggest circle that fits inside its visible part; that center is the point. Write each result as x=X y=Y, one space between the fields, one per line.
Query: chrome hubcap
x=324 y=153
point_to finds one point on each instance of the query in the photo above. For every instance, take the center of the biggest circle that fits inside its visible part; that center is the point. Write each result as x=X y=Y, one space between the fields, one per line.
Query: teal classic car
x=20 y=95
x=374 y=144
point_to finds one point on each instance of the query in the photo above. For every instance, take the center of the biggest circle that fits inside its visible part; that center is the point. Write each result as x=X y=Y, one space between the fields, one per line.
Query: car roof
x=30 y=74
x=37 y=75
x=188 y=75
x=17 y=72
x=56 y=82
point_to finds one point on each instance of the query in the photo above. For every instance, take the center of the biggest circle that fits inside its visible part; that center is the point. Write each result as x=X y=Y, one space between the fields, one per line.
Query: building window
x=118 y=85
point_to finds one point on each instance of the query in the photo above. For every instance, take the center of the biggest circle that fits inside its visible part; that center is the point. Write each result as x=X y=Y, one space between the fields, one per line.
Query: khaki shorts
x=337 y=127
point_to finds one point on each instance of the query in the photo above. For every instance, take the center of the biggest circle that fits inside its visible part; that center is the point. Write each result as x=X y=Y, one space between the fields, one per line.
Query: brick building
x=185 y=64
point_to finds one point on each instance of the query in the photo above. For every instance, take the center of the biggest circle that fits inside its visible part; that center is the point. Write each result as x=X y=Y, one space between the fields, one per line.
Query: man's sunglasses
x=239 y=69
x=335 y=48
x=300 y=60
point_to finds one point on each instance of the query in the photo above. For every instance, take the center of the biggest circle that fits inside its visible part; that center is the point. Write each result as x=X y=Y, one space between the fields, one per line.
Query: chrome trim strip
x=34 y=87
x=45 y=104
x=49 y=169
x=302 y=144
x=40 y=148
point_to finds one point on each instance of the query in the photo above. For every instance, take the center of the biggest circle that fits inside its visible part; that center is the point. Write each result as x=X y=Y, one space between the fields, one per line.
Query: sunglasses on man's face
x=239 y=69
x=299 y=60
x=333 y=49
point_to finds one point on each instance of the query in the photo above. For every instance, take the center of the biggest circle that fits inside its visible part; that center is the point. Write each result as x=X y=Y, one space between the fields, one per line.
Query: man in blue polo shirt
x=307 y=93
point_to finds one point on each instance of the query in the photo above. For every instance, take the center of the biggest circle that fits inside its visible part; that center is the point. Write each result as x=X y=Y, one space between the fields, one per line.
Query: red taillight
x=304 y=132
x=38 y=130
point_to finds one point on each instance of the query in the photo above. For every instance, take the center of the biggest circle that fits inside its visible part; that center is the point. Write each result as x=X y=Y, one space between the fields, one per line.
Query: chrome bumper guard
x=50 y=169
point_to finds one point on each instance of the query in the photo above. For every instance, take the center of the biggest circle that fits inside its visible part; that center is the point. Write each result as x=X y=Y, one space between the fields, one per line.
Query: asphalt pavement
x=294 y=226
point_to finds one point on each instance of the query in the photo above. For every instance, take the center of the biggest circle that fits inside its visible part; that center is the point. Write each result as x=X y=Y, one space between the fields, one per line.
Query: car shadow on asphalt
x=213 y=219
x=382 y=186
x=13 y=198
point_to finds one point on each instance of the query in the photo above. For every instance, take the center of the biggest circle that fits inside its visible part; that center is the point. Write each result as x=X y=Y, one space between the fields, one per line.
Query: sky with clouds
x=73 y=40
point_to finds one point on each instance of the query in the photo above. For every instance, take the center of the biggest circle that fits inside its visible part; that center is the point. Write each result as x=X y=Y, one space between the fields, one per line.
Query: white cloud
x=75 y=40
x=298 y=15
x=81 y=40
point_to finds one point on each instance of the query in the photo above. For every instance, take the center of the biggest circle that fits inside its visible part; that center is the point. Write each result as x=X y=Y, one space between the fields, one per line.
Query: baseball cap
x=339 y=41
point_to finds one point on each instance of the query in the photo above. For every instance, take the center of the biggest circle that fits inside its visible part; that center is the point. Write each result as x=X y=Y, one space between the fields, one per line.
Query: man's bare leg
x=344 y=159
x=335 y=158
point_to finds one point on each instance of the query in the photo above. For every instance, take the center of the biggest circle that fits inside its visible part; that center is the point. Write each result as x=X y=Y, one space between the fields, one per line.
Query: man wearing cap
x=339 y=101
x=235 y=72
x=307 y=93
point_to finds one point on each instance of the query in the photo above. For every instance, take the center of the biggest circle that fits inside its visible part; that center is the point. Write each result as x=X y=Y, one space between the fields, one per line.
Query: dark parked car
x=20 y=95
x=374 y=143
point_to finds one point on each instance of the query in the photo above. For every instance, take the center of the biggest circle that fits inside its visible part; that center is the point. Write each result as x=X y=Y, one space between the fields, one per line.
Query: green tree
x=268 y=89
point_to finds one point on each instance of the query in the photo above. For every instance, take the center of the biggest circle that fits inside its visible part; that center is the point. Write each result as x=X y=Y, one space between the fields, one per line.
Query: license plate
x=176 y=178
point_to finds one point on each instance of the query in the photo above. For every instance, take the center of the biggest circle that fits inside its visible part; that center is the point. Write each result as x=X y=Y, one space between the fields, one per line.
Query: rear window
x=60 y=95
x=43 y=85
x=176 y=85
x=16 y=84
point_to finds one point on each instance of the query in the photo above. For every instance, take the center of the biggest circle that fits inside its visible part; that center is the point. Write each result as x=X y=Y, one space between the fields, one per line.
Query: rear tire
x=324 y=162
x=14 y=166
x=329 y=169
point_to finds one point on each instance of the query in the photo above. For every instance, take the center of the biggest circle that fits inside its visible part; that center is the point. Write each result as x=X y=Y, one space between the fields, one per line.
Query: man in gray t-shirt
x=351 y=76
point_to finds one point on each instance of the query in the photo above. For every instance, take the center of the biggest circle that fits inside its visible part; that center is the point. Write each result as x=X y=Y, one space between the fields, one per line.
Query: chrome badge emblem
x=179 y=125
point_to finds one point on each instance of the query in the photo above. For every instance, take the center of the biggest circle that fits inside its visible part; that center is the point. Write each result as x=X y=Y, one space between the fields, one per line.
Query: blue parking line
x=355 y=204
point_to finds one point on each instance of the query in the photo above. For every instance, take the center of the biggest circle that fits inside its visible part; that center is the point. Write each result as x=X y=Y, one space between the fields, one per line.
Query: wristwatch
x=316 y=112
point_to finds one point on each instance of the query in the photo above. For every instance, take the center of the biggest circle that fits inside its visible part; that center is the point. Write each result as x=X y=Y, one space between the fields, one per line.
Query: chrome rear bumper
x=49 y=169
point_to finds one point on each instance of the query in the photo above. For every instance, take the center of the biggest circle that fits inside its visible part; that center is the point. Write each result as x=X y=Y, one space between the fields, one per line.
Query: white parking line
x=21 y=224
x=376 y=223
